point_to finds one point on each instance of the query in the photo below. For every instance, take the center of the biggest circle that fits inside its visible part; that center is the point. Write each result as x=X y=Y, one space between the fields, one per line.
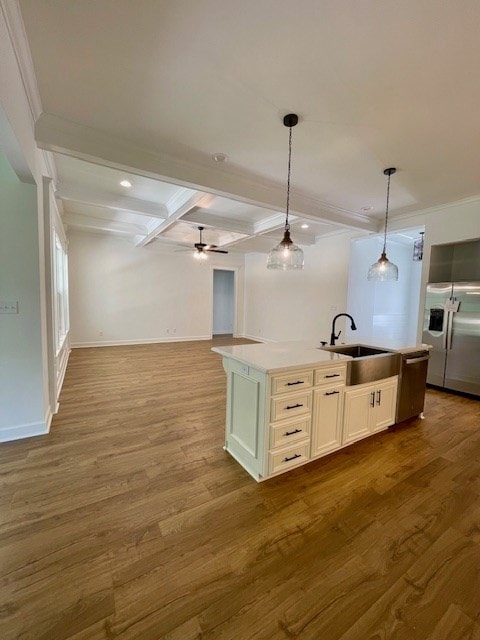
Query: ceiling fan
x=201 y=248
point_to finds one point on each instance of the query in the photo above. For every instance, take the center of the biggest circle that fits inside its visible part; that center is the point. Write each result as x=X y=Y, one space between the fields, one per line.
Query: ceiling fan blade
x=216 y=250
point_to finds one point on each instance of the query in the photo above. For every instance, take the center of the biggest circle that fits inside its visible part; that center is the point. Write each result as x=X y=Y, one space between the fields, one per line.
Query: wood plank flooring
x=129 y=520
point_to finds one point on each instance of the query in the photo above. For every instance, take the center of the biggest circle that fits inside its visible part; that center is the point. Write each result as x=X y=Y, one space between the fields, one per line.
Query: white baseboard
x=119 y=343
x=256 y=338
x=26 y=430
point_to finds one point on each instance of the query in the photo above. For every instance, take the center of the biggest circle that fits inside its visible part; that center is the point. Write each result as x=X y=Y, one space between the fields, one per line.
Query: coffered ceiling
x=150 y=90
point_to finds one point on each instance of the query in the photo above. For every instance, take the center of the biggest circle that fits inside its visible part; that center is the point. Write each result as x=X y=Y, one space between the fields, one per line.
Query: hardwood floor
x=129 y=520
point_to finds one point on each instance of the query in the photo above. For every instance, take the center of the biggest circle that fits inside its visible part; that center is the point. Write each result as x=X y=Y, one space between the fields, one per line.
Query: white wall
x=22 y=409
x=122 y=294
x=26 y=409
x=384 y=310
x=298 y=305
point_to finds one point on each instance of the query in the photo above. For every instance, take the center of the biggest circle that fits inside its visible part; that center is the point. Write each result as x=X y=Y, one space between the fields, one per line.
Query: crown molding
x=437 y=207
x=18 y=37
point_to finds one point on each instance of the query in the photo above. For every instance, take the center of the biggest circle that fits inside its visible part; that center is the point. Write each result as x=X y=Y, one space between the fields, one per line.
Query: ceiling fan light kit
x=383 y=269
x=287 y=255
x=201 y=248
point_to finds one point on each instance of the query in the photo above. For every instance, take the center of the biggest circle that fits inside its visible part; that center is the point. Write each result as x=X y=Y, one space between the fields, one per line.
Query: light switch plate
x=8 y=306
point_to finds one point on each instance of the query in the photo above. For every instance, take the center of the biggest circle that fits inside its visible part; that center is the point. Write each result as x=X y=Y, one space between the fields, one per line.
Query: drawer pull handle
x=331 y=393
x=293 y=406
x=291 y=433
x=333 y=375
x=297 y=455
x=290 y=384
x=379 y=397
x=372 y=399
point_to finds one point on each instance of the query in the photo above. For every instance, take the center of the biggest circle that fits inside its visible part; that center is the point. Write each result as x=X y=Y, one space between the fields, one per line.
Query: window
x=62 y=323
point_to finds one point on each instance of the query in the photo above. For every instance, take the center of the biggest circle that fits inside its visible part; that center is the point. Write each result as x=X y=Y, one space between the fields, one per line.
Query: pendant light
x=383 y=269
x=287 y=255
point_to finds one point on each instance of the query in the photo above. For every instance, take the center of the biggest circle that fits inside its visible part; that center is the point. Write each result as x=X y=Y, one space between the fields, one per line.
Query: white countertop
x=276 y=356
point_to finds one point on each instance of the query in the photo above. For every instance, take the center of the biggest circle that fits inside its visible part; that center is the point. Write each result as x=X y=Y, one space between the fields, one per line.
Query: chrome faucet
x=334 y=337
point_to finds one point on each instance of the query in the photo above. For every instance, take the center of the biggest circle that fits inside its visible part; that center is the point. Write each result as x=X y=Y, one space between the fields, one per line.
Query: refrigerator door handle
x=445 y=329
x=449 y=332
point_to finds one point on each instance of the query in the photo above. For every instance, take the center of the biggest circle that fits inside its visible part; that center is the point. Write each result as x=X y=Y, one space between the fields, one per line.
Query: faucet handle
x=323 y=342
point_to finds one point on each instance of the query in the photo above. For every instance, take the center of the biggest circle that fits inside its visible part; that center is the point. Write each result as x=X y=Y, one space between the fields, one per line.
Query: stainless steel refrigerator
x=452 y=326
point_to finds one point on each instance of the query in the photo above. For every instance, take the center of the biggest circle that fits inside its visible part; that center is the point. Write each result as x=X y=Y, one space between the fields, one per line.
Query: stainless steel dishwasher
x=411 y=385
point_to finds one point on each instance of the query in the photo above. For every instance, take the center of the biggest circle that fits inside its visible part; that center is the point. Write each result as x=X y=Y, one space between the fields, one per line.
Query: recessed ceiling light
x=367 y=208
x=220 y=157
x=304 y=225
x=126 y=183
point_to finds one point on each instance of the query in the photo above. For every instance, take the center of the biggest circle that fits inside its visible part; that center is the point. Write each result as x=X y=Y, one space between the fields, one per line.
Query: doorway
x=223 y=322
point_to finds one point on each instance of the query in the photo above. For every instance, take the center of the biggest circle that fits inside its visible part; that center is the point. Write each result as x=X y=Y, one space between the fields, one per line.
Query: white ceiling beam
x=85 y=195
x=89 y=223
x=53 y=133
x=180 y=204
x=205 y=218
x=272 y=223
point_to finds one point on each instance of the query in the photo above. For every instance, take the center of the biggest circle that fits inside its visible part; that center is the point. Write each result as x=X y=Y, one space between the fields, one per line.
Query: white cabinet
x=291 y=405
x=290 y=421
x=383 y=413
x=369 y=408
x=280 y=421
x=246 y=407
x=327 y=420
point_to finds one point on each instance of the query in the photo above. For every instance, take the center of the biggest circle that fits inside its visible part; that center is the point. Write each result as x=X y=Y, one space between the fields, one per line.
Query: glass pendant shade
x=383 y=269
x=285 y=255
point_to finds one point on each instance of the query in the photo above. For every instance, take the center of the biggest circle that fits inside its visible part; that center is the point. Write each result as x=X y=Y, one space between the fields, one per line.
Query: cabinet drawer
x=290 y=406
x=292 y=381
x=288 y=457
x=286 y=433
x=331 y=375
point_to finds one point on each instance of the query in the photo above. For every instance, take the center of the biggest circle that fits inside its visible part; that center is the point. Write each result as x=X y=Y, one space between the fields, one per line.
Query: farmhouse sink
x=357 y=350
x=369 y=363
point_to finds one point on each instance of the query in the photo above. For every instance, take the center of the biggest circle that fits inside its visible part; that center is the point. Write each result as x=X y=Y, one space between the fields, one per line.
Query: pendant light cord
x=386 y=215
x=287 y=226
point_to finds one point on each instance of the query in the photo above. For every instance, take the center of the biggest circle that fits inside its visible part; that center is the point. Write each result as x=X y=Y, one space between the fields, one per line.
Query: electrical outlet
x=175 y=330
x=168 y=330
x=8 y=306
x=100 y=333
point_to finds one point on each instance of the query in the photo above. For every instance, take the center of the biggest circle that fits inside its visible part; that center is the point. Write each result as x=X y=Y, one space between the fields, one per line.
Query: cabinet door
x=383 y=413
x=327 y=420
x=358 y=406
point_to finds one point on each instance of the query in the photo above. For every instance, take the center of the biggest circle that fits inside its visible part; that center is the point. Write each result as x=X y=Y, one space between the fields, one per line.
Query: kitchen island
x=290 y=402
